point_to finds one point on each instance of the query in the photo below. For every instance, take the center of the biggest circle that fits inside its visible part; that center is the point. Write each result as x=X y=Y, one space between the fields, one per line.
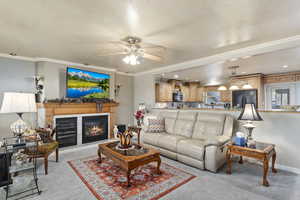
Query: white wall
x=144 y=90
x=125 y=97
x=15 y=76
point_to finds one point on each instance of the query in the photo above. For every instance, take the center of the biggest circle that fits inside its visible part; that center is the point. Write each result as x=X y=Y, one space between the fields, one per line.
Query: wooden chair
x=47 y=147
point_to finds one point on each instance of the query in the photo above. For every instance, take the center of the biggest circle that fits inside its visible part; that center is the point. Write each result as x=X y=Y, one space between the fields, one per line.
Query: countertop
x=230 y=110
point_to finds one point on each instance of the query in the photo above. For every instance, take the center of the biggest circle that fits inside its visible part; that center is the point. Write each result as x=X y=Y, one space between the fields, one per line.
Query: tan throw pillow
x=156 y=125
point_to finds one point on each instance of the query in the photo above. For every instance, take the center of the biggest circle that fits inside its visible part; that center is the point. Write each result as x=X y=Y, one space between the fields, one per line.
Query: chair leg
x=56 y=153
x=46 y=164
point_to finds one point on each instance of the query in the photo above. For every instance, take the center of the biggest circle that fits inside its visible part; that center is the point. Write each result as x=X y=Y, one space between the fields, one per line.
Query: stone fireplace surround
x=79 y=123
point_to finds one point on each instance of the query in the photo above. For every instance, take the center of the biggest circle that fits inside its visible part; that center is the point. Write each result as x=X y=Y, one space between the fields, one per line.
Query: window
x=280 y=95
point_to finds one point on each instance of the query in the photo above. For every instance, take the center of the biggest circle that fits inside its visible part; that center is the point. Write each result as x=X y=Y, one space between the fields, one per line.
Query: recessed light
x=243 y=72
x=176 y=76
x=285 y=66
x=163 y=74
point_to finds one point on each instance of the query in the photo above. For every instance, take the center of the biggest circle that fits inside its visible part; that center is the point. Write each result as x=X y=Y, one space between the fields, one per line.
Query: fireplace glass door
x=94 y=128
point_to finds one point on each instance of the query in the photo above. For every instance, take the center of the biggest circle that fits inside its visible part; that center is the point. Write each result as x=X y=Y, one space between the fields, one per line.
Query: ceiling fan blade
x=152 y=57
x=113 y=53
x=150 y=46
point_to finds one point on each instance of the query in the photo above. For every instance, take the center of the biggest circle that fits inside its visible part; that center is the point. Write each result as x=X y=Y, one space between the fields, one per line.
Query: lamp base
x=19 y=127
x=250 y=141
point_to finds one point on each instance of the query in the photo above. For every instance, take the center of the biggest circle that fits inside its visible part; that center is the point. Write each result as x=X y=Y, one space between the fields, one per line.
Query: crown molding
x=3 y=55
x=266 y=47
x=37 y=59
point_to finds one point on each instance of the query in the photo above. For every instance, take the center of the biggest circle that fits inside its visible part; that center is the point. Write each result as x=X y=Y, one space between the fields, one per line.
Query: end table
x=262 y=152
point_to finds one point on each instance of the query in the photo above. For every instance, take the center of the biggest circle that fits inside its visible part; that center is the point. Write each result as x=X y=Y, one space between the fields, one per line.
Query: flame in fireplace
x=95 y=130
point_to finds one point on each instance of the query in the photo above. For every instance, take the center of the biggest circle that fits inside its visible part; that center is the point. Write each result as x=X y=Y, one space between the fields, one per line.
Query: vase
x=139 y=124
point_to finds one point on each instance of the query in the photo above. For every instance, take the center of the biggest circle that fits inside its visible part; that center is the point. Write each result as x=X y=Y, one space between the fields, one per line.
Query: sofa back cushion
x=170 y=119
x=208 y=125
x=185 y=123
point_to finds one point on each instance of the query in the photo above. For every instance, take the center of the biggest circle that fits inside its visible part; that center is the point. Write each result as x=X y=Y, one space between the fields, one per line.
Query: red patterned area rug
x=108 y=181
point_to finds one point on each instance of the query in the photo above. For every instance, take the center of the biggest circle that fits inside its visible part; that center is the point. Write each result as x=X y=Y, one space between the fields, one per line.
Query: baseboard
x=287 y=168
x=277 y=166
x=83 y=146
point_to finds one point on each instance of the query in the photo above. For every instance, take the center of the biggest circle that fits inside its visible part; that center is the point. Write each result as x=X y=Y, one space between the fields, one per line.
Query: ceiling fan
x=135 y=50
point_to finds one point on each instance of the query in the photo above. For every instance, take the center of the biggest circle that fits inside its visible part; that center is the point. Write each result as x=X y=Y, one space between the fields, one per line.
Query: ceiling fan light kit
x=135 y=50
x=131 y=59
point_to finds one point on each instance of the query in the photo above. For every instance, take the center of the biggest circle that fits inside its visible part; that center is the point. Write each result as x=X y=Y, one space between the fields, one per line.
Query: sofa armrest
x=217 y=141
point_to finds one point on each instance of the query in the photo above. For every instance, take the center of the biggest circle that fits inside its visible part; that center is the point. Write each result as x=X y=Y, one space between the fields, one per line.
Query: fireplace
x=94 y=128
x=66 y=129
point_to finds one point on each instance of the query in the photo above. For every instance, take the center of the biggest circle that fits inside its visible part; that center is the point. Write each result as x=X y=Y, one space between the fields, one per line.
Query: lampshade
x=14 y=102
x=250 y=113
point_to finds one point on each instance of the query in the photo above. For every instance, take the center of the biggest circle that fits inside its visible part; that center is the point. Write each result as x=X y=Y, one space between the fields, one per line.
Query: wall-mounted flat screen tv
x=87 y=84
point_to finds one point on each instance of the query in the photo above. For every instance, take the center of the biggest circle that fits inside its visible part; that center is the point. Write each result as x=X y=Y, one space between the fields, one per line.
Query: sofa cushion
x=152 y=138
x=156 y=125
x=185 y=123
x=170 y=119
x=208 y=125
x=184 y=128
x=169 y=141
x=147 y=117
x=192 y=148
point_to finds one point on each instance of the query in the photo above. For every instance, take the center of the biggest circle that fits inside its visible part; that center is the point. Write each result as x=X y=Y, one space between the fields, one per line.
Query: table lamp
x=18 y=103
x=250 y=114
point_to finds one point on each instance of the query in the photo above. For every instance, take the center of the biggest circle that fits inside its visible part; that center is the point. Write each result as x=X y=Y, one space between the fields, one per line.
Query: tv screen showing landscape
x=86 y=84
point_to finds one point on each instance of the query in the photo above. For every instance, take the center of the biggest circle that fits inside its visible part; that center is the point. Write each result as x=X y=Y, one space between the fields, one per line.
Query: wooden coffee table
x=262 y=152
x=129 y=159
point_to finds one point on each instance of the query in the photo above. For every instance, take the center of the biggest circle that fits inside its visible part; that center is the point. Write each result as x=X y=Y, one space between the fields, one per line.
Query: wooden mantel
x=53 y=109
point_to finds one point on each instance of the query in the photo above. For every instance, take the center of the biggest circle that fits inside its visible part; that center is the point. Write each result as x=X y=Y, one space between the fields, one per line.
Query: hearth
x=94 y=128
x=66 y=131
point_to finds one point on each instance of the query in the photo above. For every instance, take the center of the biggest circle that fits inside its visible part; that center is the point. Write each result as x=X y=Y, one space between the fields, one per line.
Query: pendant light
x=247 y=86
x=234 y=87
x=222 y=88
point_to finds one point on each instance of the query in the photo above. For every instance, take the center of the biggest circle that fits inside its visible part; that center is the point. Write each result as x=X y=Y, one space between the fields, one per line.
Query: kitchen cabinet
x=226 y=96
x=193 y=92
x=200 y=94
x=186 y=92
x=163 y=92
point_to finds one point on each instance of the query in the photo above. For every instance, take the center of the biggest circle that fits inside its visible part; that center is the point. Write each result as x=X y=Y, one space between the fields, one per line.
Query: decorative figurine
x=125 y=139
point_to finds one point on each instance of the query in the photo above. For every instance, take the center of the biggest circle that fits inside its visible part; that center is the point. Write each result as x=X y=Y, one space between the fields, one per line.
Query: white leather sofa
x=192 y=137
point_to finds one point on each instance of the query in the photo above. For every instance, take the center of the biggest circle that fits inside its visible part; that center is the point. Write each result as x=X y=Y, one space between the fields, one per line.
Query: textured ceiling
x=77 y=30
x=282 y=61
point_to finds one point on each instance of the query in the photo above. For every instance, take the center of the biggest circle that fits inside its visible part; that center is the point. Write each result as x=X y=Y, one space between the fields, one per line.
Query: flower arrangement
x=139 y=116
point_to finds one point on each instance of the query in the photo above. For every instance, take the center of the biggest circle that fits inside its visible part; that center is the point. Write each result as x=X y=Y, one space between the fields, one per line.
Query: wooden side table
x=262 y=152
